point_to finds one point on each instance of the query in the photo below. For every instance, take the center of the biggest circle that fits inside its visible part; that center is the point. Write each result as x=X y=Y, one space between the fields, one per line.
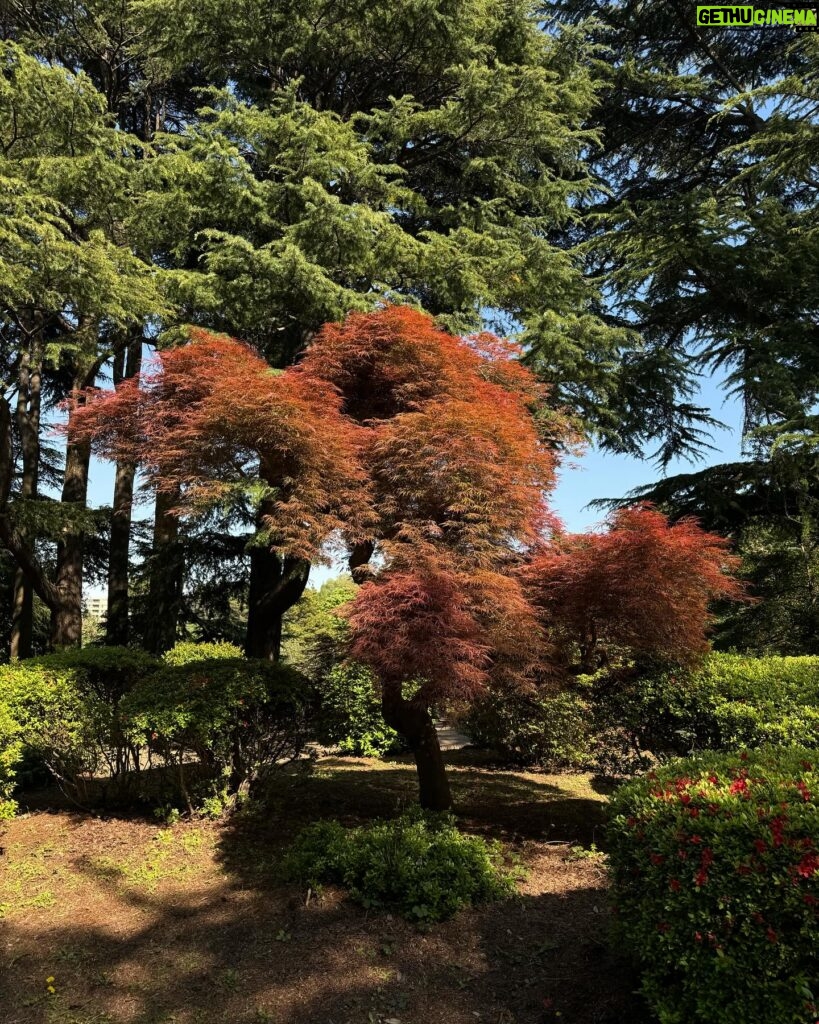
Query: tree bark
x=414 y=722
x=117 y=623
x=166 y=578
x=28 y=426
x=276 y=584
x=66 y=616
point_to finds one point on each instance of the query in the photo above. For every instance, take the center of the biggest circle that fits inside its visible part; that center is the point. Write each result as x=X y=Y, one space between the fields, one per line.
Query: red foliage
x=449 y=627
x=643 y=585
x=459 y=476
x=213 y=419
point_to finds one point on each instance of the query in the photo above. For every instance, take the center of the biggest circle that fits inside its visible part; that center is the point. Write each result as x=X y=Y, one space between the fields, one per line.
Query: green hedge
x=731 y=702
x=715 y=879
x=235 y=716
x=96 y=718
x=349 y=712
x=419 y=864
x=64 y=710
x=551 y=730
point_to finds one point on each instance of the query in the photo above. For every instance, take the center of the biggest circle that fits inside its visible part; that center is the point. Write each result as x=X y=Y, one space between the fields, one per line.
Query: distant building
x=96 y=607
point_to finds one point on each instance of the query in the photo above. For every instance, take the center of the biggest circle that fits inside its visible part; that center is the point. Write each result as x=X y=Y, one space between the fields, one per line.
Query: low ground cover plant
x=419 y=864
x=715 y=878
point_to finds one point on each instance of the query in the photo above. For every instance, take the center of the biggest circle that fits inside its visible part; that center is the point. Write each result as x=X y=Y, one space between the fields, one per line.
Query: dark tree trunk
x=359 y=561
x=166 y=578
x=66 y=615
x=28 y=426
x=276 y=584
x=414 y=722
x=116 y=624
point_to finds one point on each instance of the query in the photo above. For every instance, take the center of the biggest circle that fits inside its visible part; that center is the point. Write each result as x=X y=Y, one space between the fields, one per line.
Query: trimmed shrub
x=421 y=865
x=10 y=752
x=64 y=710
x=350 y=716
x=236 y=717
x=188 y=651
x=551 y=730
x=715 y=878
x=729 y=703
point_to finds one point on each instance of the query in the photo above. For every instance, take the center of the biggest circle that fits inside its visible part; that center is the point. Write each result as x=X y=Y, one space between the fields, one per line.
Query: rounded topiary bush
x=715 y=877
x=420 y=864
x=61 y=711
x=548 y=729
x=235 y=717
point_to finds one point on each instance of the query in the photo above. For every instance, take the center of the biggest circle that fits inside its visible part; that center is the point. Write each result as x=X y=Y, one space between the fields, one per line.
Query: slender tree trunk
x=116 y=624
x=276 y=584
x=414 y=722
x=66 y=616
x=166 y=578
x=28 y=425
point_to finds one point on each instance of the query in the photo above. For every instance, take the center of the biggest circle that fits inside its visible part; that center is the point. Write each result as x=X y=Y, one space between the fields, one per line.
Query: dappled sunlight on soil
x=143 y=924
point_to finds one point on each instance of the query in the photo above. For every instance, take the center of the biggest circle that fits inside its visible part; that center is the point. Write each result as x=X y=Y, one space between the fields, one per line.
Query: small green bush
x=187 y=651
x=729 y=703
x=348 y=705
x=236 y=717
x=350 y=716
x=421 y=865
x=715 y=879
x=64 y=713
x=551 y=730
x=10 y=752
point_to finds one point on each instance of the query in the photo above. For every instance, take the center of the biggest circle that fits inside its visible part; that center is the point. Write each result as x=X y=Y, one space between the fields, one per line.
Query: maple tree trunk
x=116 y=623
x=276 y=584
x=166 y=578
x=66 y=615
x=414 y=723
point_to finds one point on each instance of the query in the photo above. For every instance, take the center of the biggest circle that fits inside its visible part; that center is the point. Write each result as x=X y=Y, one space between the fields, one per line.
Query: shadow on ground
x=202 y=930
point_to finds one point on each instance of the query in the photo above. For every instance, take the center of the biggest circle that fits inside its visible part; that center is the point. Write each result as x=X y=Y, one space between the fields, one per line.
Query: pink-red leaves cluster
x=643 y=585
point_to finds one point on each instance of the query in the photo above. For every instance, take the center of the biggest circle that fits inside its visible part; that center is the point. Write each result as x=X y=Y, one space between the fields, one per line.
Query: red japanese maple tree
x=459 y=467
x=643 y=586
x=211 y=421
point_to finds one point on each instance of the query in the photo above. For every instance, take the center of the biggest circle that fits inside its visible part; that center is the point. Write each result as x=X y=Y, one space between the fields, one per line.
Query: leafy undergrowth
x=191 y=924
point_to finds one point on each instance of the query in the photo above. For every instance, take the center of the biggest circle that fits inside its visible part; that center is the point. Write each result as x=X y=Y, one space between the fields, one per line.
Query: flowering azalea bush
x=715 y=877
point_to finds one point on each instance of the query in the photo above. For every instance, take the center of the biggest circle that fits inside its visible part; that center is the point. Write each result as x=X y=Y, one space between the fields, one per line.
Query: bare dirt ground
x=139 y=923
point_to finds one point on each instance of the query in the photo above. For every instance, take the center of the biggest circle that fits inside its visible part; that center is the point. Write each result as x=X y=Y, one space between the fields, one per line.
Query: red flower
x=656 y=858
x=761 y=845
x=771 y=935
x=695 y=839
x=694 y=812
x=674 y=885
x=701 y=877
x=738 y=786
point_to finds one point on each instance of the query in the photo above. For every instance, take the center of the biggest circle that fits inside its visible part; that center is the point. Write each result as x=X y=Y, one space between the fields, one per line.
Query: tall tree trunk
x=66 y=616
x=276 y=584
x=116 y=624
x=166 y=578
x=28 y=426
x=414 y=722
